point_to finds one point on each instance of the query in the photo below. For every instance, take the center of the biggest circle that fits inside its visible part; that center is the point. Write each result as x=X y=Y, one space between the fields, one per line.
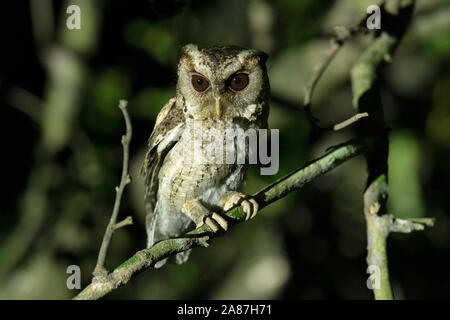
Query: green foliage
x=405 y=194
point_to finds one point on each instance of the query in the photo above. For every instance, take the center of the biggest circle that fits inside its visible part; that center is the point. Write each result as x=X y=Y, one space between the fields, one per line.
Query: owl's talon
x=220 y=220
x=249 y=204
x=216 y=222
x=211 y=224
x=255 y=207
x=234 y=200
x=250 y=207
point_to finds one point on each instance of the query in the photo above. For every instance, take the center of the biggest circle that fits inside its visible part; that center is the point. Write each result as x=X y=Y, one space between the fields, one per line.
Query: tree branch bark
x=373 y=130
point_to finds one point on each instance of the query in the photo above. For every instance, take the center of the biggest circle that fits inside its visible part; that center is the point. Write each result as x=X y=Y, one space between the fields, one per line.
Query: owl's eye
x=239 y=81
x=199 y=83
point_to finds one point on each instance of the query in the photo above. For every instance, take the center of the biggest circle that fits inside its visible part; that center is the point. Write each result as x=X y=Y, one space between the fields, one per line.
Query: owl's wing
x=168 y=128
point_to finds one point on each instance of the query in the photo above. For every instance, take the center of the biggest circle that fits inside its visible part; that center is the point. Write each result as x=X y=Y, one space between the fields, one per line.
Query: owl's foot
x=215 y=222
x=195 y=210
x=232 y=199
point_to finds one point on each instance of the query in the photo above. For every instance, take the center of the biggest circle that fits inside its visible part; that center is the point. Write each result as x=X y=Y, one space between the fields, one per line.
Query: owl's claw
x=250 y=207
x=198 y=213
x=215 y=222
x=249 y=204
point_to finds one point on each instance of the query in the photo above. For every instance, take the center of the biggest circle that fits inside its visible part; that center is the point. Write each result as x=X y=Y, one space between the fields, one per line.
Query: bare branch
x=374 y=133
x=100 y=269
x=410 y=225
x=341 y=35
x=350 y=121
x=125 y=222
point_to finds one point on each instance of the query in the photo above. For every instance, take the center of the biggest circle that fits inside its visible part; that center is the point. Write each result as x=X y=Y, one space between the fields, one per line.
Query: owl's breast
x=202 y=164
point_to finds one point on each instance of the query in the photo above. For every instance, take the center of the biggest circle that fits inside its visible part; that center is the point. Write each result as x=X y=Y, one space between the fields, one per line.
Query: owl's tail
x=152 y=238
x=180 y=258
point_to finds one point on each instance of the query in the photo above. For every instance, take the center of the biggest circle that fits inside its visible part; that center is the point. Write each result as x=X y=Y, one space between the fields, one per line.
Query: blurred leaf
x=155 y=39
x=405 y=196
x=438 y=122
x=107 y=89
x=150 y=101
x=440 y=43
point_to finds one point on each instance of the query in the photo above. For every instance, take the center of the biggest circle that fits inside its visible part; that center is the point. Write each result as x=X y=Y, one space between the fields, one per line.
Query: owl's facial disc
x=220 y=82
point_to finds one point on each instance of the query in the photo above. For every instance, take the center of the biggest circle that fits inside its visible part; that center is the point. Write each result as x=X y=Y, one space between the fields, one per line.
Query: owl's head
x=222 y=82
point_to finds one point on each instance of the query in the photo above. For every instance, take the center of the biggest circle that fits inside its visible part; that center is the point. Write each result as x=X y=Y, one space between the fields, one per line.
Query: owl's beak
x=218 y=108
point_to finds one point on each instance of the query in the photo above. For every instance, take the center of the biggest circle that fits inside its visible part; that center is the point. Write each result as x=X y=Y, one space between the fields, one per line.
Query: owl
x=219 y=90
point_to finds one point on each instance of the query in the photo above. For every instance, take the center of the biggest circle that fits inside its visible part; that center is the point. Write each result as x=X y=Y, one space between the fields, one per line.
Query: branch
x=341 y=35
x=199 y=237
x=374 y=132
x=100 y=269
x=410 y=225
x=379 y=226
x=349 y=121
x=125 y=222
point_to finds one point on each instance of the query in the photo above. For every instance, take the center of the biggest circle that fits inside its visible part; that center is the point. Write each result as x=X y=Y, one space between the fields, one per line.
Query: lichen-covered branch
x=379 y=225
x=373 y=131
x=146 y=258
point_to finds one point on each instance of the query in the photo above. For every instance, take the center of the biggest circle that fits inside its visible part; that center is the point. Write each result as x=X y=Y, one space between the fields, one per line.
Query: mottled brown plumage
x=219 y=88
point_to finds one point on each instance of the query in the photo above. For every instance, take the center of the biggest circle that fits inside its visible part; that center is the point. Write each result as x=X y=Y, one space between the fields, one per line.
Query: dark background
x=61 y=153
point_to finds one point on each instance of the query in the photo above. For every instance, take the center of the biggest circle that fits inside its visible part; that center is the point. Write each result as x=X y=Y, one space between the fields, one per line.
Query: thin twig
x=26 y=102
x=341 y=35
x=125 y=222
x=409 y=225
x=100 y=269
x=349 y=121
x=198 y=238
x=319 y=70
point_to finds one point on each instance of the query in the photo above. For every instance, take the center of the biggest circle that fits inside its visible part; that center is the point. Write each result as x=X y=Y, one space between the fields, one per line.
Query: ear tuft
x=189 y=48
x=263 y=56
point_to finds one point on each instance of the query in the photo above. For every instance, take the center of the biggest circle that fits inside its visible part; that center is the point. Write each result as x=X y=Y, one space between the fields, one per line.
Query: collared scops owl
x=189 y=179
